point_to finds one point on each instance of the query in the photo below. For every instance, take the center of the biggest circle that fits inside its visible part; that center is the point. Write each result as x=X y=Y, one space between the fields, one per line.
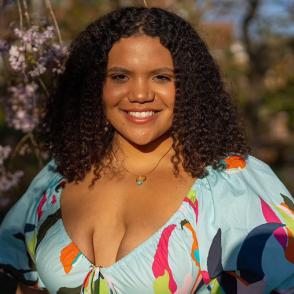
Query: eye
x=163 y=78
x=119 y=78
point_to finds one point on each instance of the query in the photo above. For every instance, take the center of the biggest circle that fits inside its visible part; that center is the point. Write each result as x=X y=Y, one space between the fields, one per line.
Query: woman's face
x=139 y=89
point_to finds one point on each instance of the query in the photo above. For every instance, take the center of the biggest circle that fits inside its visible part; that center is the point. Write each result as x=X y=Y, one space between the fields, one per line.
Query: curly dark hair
x=206 y=126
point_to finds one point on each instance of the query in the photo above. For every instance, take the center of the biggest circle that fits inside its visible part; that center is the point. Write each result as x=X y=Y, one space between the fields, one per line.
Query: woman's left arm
x=246 y=229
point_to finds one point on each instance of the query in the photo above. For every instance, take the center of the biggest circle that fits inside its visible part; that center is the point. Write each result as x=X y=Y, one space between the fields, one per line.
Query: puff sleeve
x=17 y=232
x=245 y=229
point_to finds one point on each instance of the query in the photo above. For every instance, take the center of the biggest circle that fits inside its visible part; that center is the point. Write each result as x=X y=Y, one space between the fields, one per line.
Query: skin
x=140 y=74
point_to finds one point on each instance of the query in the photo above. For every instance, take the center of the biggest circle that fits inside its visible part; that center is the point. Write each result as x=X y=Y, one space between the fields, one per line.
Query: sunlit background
x=253 y=42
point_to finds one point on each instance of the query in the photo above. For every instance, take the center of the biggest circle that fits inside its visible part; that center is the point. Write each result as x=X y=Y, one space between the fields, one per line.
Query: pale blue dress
x=233 y=233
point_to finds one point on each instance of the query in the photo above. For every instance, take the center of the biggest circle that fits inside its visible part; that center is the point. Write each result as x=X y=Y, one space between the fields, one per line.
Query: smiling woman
x=151 y=188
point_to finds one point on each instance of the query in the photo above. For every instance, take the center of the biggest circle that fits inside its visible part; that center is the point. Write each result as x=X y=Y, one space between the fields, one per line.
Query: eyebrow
x=127 y=71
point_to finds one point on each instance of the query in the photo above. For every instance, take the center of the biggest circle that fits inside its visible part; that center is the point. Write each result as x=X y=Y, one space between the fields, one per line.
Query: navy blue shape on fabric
x=250 y=255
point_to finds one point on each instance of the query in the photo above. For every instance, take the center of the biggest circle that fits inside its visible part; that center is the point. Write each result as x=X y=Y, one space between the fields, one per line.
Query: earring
x=107 y=126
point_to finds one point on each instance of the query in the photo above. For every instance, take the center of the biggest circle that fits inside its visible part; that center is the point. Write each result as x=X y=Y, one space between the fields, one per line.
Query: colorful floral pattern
x=233 y=233
x=160 y=265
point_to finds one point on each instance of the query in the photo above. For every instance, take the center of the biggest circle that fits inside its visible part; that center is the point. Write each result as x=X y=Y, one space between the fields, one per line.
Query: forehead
x=138 y=51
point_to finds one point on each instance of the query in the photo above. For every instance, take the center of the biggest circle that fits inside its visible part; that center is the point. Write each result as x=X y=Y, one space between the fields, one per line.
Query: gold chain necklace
x=140 y=179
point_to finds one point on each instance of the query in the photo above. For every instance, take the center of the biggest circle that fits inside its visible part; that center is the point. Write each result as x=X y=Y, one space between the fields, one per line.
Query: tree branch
x=246 y=22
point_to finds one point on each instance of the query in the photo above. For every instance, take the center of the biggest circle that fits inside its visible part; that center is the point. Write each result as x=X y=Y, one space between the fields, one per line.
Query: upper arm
x=18 y=233
x=246 y=230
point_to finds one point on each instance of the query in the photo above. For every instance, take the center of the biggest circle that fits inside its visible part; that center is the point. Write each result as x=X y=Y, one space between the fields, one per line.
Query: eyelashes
x=121 y=78
x=164 y=78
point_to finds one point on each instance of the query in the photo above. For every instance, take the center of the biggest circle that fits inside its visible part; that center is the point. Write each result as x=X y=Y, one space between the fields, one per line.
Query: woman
x=151 y=188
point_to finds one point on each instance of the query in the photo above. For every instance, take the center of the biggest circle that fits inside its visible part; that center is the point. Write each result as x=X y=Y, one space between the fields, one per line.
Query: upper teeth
x=141 y=113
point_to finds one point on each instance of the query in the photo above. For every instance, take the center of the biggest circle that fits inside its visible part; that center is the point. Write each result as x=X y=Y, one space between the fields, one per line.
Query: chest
x=109 y=221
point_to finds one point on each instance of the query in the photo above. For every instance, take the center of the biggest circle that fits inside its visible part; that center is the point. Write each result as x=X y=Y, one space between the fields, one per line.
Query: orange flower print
x=69 y=256
x=235 y=162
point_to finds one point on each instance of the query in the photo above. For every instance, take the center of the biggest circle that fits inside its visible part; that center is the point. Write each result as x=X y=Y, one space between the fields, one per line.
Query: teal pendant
x=140 y=180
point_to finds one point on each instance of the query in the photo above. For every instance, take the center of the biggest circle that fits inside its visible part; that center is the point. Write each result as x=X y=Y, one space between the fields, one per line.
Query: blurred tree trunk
x=260 y=62
x=255 y=74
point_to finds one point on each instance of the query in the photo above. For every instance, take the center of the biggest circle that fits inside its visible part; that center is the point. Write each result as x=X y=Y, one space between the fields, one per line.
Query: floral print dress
x=233 y=233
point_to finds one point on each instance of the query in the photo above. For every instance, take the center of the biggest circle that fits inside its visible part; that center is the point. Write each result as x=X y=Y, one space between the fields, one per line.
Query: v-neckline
x=140 y=246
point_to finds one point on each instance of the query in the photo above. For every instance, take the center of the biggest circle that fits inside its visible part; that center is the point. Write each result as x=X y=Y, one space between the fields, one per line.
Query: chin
x=144 y=139
x=140 y=141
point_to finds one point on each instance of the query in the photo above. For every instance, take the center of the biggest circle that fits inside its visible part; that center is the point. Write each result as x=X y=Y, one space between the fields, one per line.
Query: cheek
x=111 y=95
x=168 y=96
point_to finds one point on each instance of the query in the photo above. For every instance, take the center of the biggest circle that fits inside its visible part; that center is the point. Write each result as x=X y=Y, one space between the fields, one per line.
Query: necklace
x=140 y=179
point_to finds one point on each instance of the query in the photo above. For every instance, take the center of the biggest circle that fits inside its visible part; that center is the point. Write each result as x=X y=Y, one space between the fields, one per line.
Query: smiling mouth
x=141 y=114
x=141 y=117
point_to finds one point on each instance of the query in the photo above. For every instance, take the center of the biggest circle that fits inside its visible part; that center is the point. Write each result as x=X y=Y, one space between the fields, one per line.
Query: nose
x=141 y=91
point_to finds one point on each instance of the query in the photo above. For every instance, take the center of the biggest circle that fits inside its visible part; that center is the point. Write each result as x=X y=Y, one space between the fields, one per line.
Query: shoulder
x=239 y=195
x=243 y=182
x=44 y=179
x=246 y=211
x=45 y=176
x=18 y=230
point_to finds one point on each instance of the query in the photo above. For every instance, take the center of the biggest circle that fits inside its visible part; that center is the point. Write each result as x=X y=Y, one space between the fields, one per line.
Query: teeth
x=141 y=114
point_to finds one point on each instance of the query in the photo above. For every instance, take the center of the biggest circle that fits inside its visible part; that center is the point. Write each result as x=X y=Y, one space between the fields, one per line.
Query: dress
x=233 y=232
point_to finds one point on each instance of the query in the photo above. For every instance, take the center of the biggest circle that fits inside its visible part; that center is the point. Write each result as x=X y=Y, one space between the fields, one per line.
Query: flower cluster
x=7 y=179
x=32 y=55
x=17 y=58
x=4 y=46
x=36 y=52
x=31 y=59
x=21 y=108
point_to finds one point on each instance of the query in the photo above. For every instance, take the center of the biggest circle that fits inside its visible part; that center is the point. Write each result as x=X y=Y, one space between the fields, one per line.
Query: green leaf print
x=160 y=285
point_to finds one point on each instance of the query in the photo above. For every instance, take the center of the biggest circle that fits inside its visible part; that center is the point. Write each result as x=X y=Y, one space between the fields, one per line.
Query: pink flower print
x=160 y=264
x=194 y=205
x=205 y=276
x=271 y=217
x=40 y=206
x=268 y=213
x=53 y=201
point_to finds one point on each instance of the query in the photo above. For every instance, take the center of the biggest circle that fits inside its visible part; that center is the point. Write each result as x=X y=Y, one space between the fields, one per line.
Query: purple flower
x=17 y=58
x=22 y=107
x=4 y=46
x=6 y=3
x=4 y=153
x=7 y=179
x=38 y=70
x=48 y=33
x=36 y=52
x=35 y=36
x=56 y=57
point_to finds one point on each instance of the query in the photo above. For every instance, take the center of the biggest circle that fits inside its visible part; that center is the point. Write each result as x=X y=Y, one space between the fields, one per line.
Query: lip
x=141 y=121
x=141 y=110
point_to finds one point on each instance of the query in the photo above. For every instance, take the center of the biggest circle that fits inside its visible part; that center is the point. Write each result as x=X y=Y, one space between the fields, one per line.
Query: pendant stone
x=140 y=180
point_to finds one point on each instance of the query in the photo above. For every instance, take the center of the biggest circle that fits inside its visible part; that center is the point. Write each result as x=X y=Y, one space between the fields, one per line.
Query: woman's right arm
x=18 y=229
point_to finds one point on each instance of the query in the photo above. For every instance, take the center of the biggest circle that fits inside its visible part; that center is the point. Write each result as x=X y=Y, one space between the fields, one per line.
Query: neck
x=142 y=157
